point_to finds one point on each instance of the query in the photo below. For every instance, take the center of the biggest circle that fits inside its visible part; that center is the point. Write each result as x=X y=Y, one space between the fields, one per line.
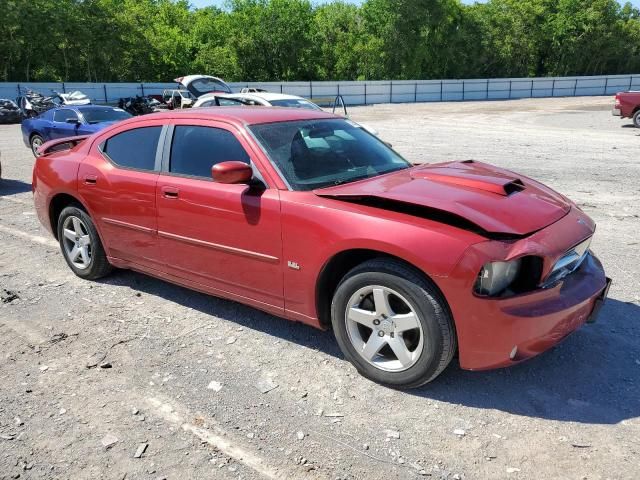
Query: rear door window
x=134 y=148
x=195 y=149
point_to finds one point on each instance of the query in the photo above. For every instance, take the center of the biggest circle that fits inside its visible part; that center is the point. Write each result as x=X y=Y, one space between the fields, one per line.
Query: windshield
x=107 y=114
x=295 y=103
x=314 y=154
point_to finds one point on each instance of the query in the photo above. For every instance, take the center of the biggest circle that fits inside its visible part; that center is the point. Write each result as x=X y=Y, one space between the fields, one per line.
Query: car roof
x=240 y=115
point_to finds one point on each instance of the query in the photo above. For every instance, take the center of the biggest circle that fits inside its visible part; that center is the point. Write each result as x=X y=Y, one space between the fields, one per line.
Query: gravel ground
x=94 y=372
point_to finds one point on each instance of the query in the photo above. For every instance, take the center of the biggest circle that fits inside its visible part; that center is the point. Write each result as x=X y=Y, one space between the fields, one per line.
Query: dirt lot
x=187 y=372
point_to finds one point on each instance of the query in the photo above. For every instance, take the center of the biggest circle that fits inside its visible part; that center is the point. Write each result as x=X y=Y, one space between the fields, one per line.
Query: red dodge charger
x=308 y=216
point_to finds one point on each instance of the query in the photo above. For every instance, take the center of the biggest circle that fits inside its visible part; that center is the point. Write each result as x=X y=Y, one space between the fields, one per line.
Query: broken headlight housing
x=495 y=277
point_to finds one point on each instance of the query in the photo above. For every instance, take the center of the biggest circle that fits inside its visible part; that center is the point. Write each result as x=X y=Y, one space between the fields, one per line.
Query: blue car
x=68 y=121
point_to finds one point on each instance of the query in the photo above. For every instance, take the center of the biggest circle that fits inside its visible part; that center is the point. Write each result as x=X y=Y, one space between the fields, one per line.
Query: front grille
x=568 y=263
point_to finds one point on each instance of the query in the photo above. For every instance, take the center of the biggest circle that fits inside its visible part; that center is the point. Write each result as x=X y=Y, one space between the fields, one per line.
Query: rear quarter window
x=134 y=148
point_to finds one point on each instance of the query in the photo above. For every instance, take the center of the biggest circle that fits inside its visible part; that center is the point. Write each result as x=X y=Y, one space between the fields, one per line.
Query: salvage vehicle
x=34 y=103
x=627 y=105
x=9 y=111
x=191 y=88
x=68 y=121
x=139 y=105
x=73 y=98
x=304 y=215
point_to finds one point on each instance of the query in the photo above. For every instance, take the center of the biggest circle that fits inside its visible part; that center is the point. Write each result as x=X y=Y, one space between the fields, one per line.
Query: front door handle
x=170 y=192
x=90 y=179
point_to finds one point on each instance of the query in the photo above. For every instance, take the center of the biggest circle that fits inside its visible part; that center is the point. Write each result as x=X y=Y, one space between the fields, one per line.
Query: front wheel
x=636 y=119
x=81 y=245
x=36 y=142
x=392 y=324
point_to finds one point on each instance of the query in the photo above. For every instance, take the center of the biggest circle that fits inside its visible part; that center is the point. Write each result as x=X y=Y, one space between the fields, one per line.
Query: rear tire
x=636 y=119
x=81 y=245
x=393 y=324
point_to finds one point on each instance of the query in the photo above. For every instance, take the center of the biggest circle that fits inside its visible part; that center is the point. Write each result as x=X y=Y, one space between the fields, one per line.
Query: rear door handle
x=170 y=192
x=90 y=179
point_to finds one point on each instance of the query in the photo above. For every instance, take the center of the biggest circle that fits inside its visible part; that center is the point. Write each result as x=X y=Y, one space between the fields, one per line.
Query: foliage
x=157 y=40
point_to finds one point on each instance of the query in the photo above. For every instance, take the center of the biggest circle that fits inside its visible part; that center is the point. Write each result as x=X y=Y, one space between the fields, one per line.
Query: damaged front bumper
x=497 y=332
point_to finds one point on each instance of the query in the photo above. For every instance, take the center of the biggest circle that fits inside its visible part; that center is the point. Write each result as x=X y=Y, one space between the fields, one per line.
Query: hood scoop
x=488 y=183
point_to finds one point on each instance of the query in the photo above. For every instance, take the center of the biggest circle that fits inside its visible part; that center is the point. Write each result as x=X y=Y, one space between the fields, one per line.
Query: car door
x=65 y=123
x=117 y=181
x=224 y=236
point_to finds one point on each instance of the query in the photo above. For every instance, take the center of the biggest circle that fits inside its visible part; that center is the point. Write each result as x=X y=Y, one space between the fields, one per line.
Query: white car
x=265 y=99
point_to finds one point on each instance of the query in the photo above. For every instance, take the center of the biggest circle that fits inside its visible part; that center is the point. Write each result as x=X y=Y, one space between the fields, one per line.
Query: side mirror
x=231 y=172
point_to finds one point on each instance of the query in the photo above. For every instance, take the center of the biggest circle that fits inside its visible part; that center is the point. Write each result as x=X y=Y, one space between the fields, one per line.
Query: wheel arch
x=334 y=270
x=58 y=203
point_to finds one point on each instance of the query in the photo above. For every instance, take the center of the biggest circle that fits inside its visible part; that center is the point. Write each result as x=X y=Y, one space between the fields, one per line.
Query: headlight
x=495 y=277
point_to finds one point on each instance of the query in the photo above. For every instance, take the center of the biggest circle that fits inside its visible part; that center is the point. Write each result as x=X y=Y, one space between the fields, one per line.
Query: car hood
x=468 y=194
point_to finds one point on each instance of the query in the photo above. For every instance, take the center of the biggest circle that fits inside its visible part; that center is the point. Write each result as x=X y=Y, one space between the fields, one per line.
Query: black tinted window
x=64 y=115
x=196 y=149
x=134 y=148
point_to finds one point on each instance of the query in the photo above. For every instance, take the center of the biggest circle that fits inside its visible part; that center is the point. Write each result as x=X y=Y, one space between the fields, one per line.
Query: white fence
x=371 y=92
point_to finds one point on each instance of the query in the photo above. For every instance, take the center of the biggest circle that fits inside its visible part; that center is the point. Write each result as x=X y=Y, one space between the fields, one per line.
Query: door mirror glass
x=231 y=172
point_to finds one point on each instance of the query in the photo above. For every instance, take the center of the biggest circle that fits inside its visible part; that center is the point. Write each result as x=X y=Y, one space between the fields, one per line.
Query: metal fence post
x=630 y=81
x=415 y=93
x=575 y=87
x=18 y=89
x=487 y=91
x=365 y=93
x=310 y=89
x=280 y=88
x=463 y=90
x=531 y=93
x=391 y=91
x=606 y=85
x=510 y=84
x=440 y=90
x=553 y=88
x=104 y=87
x=142 y=88
x=64 y=90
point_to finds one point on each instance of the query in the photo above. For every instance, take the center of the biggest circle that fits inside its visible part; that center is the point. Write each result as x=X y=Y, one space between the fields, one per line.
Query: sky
x=206 y=3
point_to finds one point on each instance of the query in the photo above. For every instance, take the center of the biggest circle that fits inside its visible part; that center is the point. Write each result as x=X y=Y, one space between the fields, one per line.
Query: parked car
x=304 y=215
x=261 y=98
x=191 y=88
x=627 y=105
x=68 y=121
x=9 y=111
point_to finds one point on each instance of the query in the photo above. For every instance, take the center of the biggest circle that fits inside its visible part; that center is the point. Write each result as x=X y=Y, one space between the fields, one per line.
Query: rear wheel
x=636 y=119
x=393 y=324
x=81 y=245
x=36 y=142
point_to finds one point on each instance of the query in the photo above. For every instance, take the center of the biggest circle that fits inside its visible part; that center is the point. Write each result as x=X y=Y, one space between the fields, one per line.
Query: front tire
x=636 y=119
x=393 y=324
x=81 y=245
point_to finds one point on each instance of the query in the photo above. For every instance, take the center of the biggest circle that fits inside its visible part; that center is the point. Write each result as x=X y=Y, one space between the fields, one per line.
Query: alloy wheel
x=384 y=328
x=77 y=242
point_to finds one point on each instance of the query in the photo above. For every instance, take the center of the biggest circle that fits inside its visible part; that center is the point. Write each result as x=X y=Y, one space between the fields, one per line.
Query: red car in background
x=307 y=216
x=628 y=106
